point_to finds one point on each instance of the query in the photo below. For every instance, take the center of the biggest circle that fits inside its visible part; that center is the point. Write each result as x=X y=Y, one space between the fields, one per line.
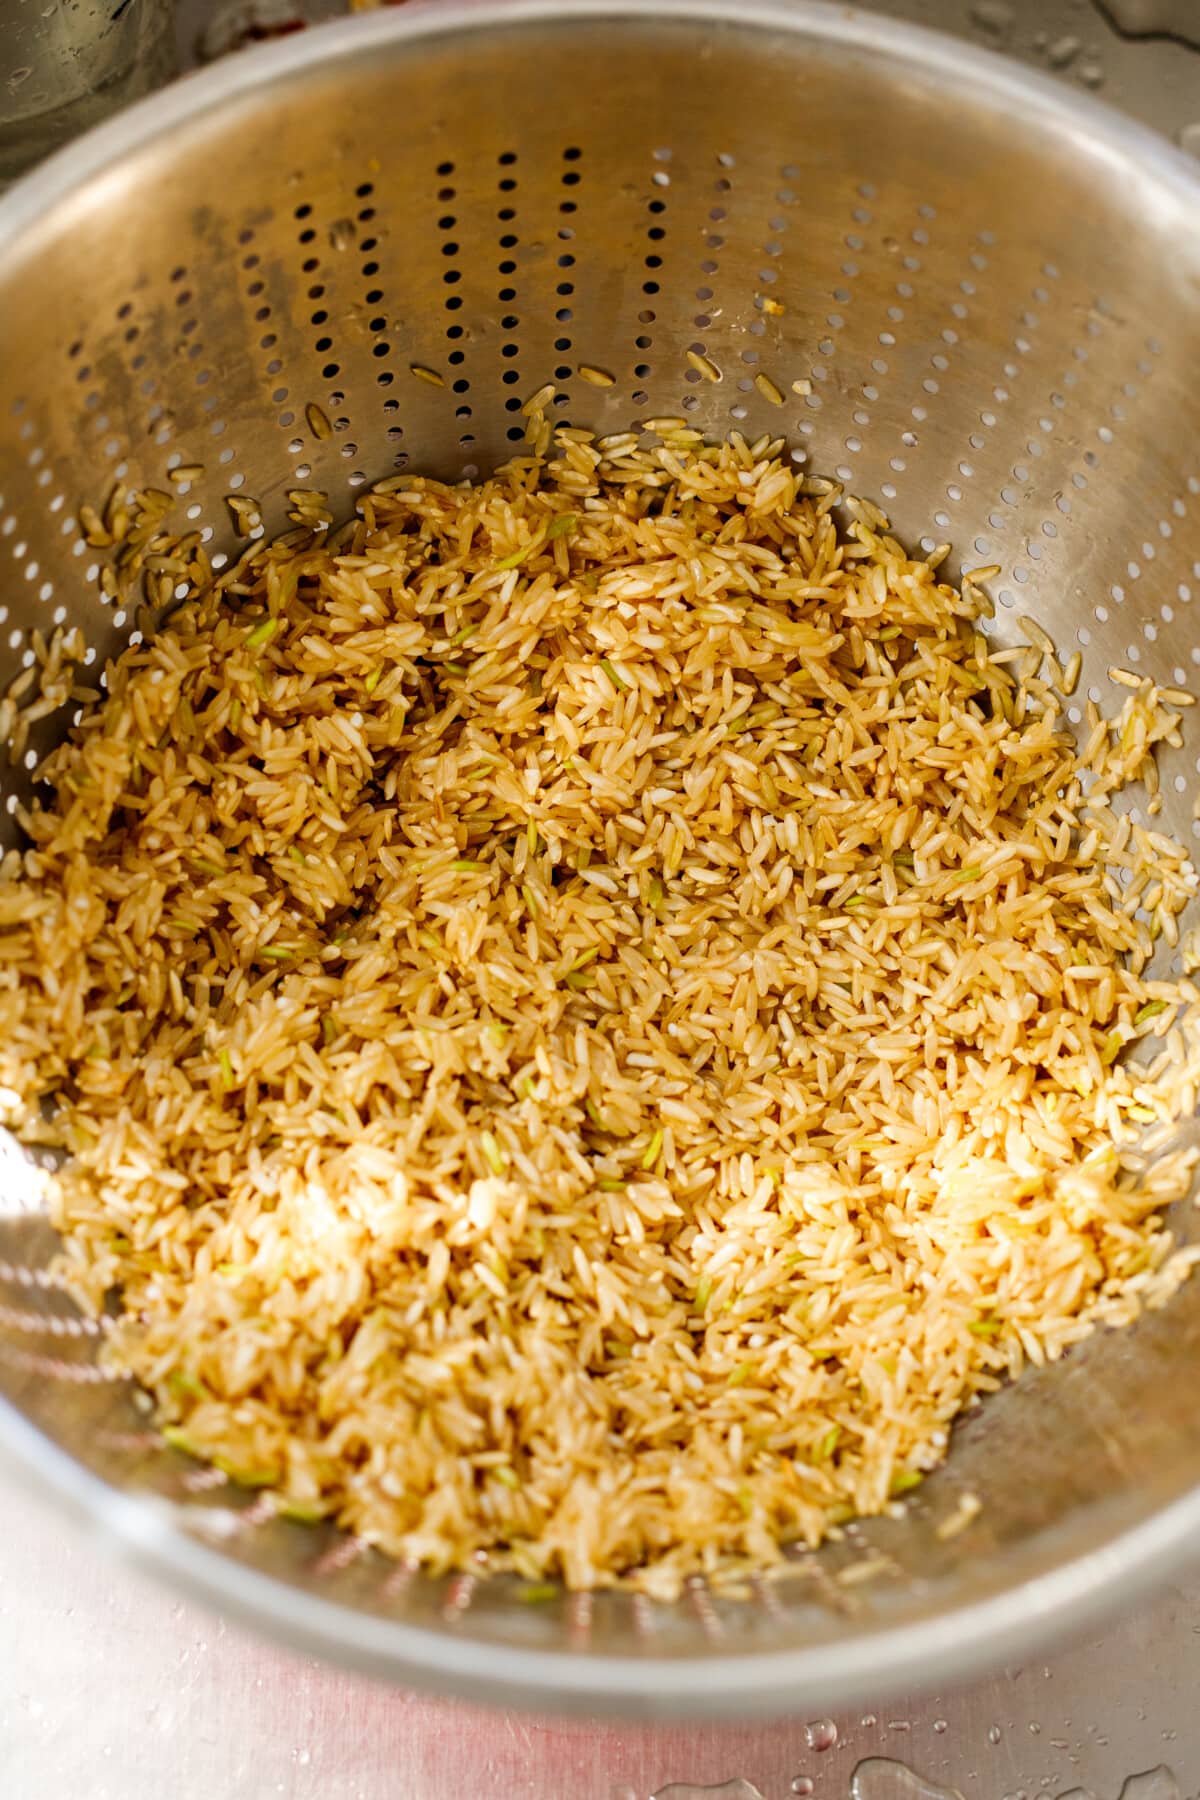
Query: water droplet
x=737 y=1789
x=821 y=1734
x=993 y=1734
x=1152 y=1784
x=342 y=234
x=1034 y=1728
x=939 y=1725
x=883 y=1778
x=993 y=16
x=1091 y=73
x=1189 y=140
x=1063 y=51
x=802 y=1784
x=1139 y=20
x=870 y=1719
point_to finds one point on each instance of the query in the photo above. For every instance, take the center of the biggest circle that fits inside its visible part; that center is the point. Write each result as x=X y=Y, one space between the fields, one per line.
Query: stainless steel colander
x=955 y=287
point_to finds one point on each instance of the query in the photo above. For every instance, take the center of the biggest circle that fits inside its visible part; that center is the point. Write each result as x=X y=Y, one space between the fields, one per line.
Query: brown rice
x=588 y=1011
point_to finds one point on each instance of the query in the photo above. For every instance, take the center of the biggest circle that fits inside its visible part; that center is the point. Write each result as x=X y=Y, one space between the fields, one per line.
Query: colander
x=948 y=284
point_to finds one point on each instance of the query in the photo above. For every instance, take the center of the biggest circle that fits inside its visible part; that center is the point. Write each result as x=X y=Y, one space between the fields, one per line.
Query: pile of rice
x=588 y=1012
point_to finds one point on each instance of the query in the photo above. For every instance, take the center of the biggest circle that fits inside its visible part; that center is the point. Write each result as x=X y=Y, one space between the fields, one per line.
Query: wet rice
x=590 y=1011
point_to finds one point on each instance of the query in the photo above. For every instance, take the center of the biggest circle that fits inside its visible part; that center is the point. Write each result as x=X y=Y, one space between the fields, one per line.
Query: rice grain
x=589 y=1012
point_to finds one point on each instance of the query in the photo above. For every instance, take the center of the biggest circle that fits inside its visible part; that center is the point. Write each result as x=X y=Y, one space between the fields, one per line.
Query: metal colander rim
x=1025 y=95
x=1047 y=1608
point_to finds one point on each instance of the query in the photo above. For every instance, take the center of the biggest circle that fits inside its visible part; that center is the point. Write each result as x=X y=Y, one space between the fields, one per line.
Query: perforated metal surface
x=966 y=296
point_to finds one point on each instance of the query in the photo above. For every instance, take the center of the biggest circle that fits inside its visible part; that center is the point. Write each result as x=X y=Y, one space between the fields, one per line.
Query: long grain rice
x=589 y=1011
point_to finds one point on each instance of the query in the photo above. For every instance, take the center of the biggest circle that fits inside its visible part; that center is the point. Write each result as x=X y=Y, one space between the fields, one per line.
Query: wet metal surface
x=111 y=1689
